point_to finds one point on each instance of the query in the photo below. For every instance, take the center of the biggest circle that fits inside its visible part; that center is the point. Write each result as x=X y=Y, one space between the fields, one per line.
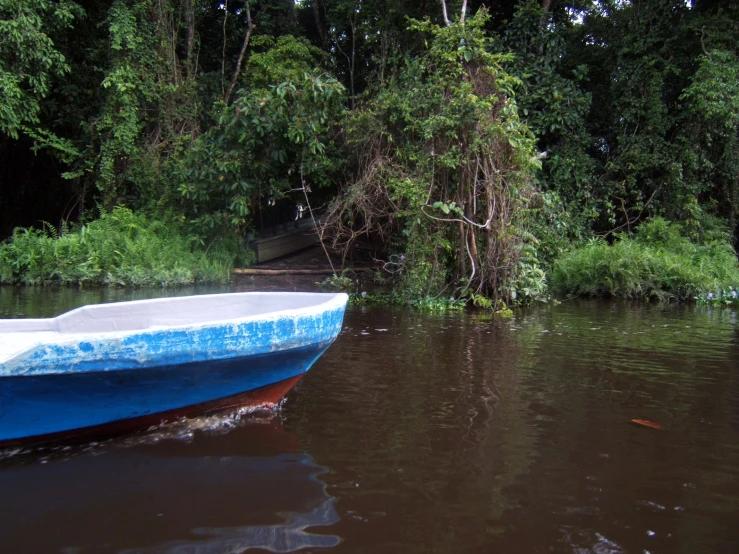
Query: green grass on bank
x=121 y=248
x=658 y=262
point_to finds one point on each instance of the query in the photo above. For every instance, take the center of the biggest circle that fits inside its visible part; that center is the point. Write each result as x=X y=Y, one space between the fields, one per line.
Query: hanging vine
x=446 y=160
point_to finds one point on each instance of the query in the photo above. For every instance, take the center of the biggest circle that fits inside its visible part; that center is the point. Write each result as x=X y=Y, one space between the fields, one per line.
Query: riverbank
x=661 y=261
x=121 y=248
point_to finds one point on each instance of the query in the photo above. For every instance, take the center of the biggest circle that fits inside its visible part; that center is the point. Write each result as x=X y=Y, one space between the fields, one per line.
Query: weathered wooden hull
x=285 y=243
x=111 y=381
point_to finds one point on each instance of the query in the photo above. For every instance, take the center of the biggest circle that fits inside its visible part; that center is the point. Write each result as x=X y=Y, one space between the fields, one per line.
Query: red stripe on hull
x=261 y=398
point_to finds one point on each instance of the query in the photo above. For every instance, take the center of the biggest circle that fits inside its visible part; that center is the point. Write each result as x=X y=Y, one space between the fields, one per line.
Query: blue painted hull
x=37 y=406
x=55 y=389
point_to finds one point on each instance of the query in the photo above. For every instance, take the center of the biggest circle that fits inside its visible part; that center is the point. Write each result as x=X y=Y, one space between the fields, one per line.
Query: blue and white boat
x=127 y=365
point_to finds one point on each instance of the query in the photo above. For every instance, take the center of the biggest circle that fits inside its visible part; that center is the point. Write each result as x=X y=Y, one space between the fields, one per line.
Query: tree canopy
x=473 y=143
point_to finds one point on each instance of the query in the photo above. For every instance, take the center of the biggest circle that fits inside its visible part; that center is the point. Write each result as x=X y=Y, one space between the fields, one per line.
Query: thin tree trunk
x=188 y=8
x=349 y=59
x=81 y=197
x=319 y=25
x=546 y=7
x=223 y=53
x=462 y=259
x=237 y=70
x=475 y=261
x=446 y=16
x=354 y=50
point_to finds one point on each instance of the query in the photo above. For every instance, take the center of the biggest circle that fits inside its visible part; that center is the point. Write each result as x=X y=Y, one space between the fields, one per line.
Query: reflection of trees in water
x=35 y=301
x=437 y=399
x=595 y=366
x=471 y=431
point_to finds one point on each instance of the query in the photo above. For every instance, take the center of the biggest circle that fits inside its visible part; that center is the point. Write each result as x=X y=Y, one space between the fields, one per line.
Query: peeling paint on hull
x=143 y=377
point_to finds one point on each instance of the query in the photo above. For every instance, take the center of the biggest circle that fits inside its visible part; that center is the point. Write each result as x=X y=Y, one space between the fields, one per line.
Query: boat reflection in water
x=280 y=537
x=251 y=488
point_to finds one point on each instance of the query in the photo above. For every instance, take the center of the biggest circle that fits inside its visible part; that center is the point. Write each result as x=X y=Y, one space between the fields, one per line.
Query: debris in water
x=646 y=423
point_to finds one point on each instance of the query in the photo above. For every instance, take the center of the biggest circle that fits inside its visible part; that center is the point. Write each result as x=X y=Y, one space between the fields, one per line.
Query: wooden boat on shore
x=282 y=240
x=114 y=367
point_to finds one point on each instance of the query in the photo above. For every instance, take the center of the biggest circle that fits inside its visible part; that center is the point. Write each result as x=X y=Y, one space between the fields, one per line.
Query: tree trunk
x=188 y=8
x=352 y=63
x=237 y=70
x=319 y=25
x=444 y=12
x=223 y=52
x=546 y=7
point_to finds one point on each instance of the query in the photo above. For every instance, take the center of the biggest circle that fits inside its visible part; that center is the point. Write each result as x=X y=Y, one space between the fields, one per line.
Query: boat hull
x=140 y=363
x=45 y=408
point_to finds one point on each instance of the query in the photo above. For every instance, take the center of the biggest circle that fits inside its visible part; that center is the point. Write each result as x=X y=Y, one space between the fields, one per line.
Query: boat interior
x=18 y=334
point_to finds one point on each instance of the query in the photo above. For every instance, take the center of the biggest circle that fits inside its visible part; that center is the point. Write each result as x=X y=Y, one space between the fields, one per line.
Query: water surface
x=426 y=433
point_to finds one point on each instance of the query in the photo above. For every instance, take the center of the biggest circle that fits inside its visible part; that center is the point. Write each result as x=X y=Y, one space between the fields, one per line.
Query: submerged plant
x=337 y=282
x=728 y=297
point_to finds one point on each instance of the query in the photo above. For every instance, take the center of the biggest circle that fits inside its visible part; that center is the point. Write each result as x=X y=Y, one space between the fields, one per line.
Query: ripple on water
x=456 y=433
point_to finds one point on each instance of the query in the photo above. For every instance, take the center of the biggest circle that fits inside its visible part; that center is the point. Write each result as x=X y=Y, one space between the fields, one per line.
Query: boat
x=282 y=240
x=108 y=368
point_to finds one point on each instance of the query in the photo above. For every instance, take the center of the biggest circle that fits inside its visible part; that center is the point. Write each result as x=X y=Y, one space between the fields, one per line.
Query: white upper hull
x=161 y=328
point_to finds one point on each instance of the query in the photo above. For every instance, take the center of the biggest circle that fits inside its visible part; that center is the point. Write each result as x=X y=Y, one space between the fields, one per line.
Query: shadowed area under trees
x=476 y=152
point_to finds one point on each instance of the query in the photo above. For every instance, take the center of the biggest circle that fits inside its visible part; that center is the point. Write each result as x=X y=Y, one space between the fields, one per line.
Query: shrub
x=121 y=248
x=659 y=262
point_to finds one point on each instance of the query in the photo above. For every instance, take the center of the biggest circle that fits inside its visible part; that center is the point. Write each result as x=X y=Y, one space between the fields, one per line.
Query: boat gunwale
x=334 y=298
x=333 y=302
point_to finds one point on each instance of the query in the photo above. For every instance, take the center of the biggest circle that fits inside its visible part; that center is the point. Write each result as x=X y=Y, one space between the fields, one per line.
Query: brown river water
x=421 y=432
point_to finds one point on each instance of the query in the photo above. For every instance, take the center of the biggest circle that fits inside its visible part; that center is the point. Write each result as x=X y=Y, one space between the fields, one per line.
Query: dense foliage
x=444 y=161
x=660 y=261
x=120 y=248
x=468 y=148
